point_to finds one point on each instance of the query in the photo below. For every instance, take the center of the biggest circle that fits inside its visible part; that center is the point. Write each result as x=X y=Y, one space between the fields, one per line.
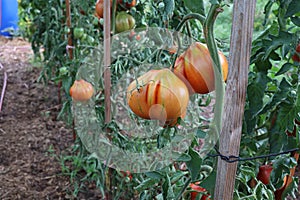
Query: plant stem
x=212 y=47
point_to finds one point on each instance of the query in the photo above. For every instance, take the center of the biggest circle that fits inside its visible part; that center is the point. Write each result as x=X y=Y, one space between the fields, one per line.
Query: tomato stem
x=113 y=16
x=186 y=18
x=208 y=25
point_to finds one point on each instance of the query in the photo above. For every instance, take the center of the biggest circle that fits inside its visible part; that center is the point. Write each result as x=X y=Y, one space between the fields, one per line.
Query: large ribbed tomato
x=158 y=95
x=81 y=90
x=195 y=68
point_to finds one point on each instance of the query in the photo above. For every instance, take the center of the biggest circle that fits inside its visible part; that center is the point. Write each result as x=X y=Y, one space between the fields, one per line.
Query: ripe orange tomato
x=128 y=5
x=99 y=8
x=264 y=173
x=81 y=90
x=195 y=68
x=198 y=189
x=158 y=95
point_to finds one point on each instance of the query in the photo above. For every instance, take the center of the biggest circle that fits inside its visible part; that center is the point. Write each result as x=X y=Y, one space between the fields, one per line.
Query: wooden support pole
x=235 y=95
x=107 y=83
x=107 y=60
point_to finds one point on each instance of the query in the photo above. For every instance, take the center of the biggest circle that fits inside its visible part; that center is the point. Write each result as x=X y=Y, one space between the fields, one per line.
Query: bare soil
x=30 y=134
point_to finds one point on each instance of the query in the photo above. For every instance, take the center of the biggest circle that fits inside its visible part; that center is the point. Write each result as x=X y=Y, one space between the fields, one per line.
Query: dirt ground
x=29 y=130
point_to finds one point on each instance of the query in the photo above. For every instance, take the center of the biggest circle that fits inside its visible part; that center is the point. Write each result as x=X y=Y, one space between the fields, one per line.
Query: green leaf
x=147 y=183
x=154 y=175
x=196 y=6
x=293 y=8
x=286 y=115
x=209 y=183
x=194 y=165
x=168 y=192
x=184 y=158
x=296 y=20
x=255 y=94
x=279 y=96
x=268 y=11
x=200 y=134
x=286 y=67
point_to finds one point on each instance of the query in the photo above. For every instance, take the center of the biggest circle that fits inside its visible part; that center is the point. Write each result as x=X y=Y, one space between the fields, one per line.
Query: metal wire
x=232 y=158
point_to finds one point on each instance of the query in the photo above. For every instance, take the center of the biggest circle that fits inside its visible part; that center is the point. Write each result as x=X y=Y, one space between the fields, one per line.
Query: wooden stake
x=107 y=82
x=240 y=48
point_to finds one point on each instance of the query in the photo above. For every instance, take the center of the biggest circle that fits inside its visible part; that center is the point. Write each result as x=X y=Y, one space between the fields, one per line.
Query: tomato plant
x=195 y=68
x=124 y=22
x=81 y=90
x=159 y=95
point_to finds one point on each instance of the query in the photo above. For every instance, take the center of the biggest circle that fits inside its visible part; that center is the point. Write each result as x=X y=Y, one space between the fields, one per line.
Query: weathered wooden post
x=107 y=81
x=230 y=136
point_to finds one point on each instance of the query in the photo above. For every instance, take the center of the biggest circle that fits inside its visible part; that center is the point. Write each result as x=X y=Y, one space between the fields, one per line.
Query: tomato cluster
x=163 y=95
x=124 y=21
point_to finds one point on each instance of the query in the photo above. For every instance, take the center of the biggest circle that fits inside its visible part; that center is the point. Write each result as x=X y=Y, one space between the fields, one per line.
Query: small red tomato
x=138 y=37
x=81 y=90
x=196 y=190
x=264 y=173
x=296 y=57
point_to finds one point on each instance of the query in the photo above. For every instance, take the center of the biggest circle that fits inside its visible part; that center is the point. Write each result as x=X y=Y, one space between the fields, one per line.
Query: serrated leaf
x=146 y=184
x=194 y=165
x=168 y=192
x=255 y=94
x=184 y=158
x=293 y=8
x=286 y=67
x=277 y=41
x=154 y=175
x=209 y=183
x=263 y=65
x=200 y=133
x=267 y=11
x=287 y=113
x=296 y=20
x=279 y=96
x=196 y=6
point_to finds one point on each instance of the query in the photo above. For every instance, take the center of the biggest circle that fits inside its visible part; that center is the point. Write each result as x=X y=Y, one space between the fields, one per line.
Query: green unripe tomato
x=124 y=22
x=78 y=33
